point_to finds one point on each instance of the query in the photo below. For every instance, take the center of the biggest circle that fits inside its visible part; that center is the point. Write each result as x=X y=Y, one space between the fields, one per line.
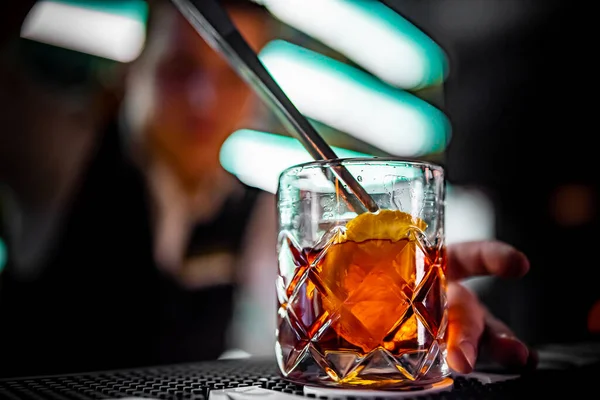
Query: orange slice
x=385 y=224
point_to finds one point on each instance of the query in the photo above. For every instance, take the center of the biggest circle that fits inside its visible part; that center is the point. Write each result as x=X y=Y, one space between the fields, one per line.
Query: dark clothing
x=101 y=302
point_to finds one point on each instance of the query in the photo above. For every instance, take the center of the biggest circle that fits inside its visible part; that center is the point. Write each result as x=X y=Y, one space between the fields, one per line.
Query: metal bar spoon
x=213 y=23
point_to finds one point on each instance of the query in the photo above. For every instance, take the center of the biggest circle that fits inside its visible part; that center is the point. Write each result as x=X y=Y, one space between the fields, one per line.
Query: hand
x=471 y=327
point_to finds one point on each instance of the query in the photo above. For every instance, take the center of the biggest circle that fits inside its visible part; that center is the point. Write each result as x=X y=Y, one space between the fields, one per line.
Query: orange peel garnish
x=391 y=225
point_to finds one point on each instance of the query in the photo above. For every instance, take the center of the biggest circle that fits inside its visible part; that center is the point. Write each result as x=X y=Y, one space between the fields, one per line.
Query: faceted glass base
x=378 y=369
x=419 y=390
x=389 y=331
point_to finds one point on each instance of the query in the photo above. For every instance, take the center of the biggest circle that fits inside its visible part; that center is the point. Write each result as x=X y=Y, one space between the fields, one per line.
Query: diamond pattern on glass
x=291 y=257
x=429 y=301
x=377 y=362
x=410 y=363
x=343 y=362
x=395 y=330
x=290 y=345
x=431 y=357
x=328 y=239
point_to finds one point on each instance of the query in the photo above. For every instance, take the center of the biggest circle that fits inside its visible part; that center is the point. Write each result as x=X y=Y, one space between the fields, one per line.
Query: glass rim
x=341 y=161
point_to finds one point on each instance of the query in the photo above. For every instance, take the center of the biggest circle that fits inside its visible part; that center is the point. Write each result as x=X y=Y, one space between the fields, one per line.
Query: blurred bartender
x=182 y=101
x=139 y=256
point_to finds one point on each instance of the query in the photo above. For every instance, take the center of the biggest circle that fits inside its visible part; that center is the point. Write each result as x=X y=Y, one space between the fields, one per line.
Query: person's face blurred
x=198 y=100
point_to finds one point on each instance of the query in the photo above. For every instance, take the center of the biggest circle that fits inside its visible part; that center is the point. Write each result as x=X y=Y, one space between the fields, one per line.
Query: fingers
x=465 y=326
x=500 y=345
x=485 y=258
x=473 y=332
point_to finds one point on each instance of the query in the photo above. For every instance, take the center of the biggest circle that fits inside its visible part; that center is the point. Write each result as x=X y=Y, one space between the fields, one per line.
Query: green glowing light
x=134 y=9
x=372 y=35
x=115 y=30
x=258 y=158
x=435 y=61
x=3 y=255
x=357 y=102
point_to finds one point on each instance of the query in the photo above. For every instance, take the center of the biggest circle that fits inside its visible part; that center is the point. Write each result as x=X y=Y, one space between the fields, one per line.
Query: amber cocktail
x=362 y=295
